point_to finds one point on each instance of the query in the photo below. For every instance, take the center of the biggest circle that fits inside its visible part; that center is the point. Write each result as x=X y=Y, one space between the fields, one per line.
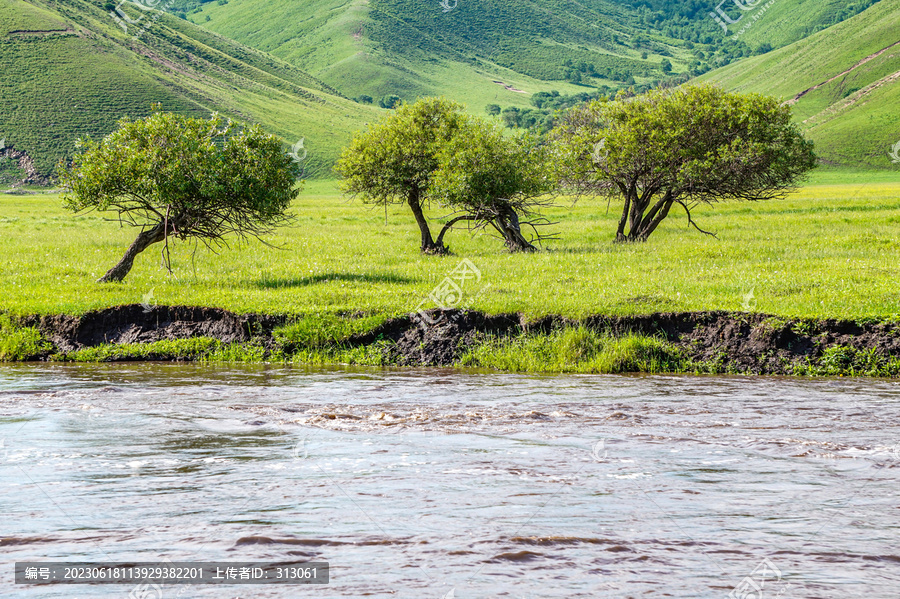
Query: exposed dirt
x=738 y=342
x=26 y=164
x=139 y=324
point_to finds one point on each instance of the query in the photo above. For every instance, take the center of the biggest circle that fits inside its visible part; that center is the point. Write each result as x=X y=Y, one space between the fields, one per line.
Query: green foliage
x=577 y=349
x=481 y=168
x=687 y=146
x=844 y=360
x=394 y=159
x=324 y=330
x=175 y=349
x=18 y=342
x=390 y=102
x=236 y=353
x=184 y=177
x=323 y=339
x=487 y=178
x=374 y=354
x=186 y=170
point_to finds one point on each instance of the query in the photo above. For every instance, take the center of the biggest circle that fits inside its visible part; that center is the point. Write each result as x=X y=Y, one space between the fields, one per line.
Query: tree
x=686 y=146
x=494 y=180
x=666 y=66
x=511 y=117
x=394 y=160
x=492 y=109
x=183 y=177
x=390 y=102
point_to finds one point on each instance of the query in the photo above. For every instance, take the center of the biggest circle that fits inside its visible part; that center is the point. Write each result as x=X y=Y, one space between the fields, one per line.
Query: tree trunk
x=620 y=231
x=659 y=212
x=509 y=226
x=449 y=225
x=428 y=244
x=147 y=238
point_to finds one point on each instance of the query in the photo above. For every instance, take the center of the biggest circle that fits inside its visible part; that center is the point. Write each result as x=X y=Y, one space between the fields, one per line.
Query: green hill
x=476 y=52
x=70 y=69
x=843 y=83
x=481 y=51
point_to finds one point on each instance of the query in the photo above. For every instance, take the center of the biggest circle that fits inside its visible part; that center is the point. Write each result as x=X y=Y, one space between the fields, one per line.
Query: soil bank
x=733 y=341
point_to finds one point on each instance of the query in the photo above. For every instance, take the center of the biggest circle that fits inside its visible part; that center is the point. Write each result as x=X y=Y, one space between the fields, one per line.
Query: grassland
x=829 y=250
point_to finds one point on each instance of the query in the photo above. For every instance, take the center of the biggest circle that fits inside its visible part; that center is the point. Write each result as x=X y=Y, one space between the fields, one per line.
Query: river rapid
x=449 y=484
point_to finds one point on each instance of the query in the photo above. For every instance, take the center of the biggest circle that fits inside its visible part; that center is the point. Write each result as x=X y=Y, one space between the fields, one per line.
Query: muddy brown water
x=439 y=483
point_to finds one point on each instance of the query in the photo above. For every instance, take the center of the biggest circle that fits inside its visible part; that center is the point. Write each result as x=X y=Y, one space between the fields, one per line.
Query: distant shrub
x=390 y=102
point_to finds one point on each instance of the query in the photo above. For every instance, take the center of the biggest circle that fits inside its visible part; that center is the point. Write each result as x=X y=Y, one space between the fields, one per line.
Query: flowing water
x=433 y=483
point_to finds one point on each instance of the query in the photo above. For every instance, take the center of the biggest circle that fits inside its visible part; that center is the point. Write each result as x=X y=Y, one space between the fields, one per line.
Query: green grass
x=18 y=342
x=317 y=331
x=196 y=348
x=849 y=361
x=577 y=349
x=827 y=251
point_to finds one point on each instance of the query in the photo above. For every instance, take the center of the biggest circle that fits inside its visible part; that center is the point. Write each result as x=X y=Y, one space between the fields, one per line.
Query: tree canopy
x=394 y=160
x=183 y=177
x=432 y=152
x=685 y=146
x=492 y=180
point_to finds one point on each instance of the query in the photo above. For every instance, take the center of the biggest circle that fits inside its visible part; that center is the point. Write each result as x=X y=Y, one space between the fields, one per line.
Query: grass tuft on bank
x=19 y=343
x=576 y=350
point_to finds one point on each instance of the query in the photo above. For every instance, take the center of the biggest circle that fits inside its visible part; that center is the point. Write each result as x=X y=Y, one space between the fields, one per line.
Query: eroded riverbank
x=707 y=342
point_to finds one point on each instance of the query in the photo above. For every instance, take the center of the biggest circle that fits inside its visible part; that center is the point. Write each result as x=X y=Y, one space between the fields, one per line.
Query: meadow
x=830 y=250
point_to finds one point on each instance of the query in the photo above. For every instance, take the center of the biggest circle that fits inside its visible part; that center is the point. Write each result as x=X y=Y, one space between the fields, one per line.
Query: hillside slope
x=844 y=84
x=476 y=52
x=70 y=69
x=479 y=52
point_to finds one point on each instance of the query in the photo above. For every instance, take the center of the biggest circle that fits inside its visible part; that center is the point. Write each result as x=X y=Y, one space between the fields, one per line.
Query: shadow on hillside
x=276 y=283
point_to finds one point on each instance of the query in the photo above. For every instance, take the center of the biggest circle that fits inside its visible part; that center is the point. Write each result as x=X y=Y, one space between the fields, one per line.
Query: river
x=449 y=484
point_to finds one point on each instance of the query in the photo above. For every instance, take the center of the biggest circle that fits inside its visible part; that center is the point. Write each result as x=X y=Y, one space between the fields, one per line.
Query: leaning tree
x=393 y=162
x=175 y=176
x=492 y=180
x=684 y=146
